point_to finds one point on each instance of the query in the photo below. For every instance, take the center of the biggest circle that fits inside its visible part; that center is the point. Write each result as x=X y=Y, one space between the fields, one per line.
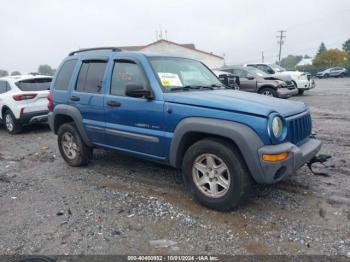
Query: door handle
x=75 y=98
x=113 y=103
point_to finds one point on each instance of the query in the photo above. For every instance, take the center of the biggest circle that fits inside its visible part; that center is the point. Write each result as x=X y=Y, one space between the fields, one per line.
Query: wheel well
x=3 y=110
x=192 y=137
x=262 y=87
x=60 y=120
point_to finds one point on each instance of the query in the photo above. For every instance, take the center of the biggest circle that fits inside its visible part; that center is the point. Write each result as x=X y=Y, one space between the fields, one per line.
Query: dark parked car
x=332 y=72
x=255 y=80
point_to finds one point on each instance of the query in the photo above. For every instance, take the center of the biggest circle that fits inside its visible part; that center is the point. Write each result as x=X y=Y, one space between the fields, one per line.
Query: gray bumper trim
x=298 y=156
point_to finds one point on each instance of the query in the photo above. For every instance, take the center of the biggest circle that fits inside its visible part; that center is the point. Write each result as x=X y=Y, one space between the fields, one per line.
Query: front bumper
x=34 y=117
x=297 y=156
x=305 y=84
x=286 y=92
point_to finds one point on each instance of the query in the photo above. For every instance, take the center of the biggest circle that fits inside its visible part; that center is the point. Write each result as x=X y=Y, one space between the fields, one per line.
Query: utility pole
x=281 y=42
x=262 y=57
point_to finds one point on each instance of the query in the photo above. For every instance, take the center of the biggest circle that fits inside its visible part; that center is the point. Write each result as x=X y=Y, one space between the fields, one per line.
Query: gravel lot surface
x=122 y=205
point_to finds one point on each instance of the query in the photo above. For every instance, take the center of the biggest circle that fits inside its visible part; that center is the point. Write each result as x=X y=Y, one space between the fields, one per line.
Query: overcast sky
x=37 y=32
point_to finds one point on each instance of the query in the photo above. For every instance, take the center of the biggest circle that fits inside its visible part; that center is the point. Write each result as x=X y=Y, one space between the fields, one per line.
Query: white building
x=186 y=50
x=304 y=61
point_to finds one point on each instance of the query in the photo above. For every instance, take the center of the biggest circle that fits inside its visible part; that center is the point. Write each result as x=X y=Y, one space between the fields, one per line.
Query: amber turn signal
x=275 y=157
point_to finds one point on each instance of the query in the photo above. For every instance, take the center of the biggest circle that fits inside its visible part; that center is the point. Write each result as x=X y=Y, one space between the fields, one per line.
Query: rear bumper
x=34 y=117
x=285 y=92
x=297 y=156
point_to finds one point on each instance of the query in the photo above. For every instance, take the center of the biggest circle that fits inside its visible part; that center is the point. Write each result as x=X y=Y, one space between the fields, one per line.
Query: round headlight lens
x=277 y=126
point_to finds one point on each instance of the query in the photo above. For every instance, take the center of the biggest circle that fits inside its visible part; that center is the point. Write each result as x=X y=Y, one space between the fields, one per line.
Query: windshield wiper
x=192 y=87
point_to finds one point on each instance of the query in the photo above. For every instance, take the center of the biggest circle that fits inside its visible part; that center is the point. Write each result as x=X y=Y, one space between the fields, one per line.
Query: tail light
x=49 y=103
x=24 y=97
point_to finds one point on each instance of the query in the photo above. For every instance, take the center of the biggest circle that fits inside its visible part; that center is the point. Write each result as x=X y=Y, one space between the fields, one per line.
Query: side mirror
x=270 y=71
x=134 y=90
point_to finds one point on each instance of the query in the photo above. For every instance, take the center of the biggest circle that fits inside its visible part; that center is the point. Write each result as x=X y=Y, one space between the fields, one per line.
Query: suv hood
x=232 y=100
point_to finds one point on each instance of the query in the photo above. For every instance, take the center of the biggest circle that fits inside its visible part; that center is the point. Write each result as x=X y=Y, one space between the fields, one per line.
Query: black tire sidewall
x=16 y=126
x=240 y=181
x=82 y=157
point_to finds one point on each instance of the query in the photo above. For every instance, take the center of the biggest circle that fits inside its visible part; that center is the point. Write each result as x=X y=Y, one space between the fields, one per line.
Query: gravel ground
x=122 y=205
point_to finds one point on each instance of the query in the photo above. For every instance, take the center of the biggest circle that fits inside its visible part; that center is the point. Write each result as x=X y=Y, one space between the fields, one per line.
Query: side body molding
x=247 y=141
x=72 y=112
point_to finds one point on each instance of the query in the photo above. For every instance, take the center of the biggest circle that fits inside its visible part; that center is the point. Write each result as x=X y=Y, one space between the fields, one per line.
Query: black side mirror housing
x=134 y=90
x=270 y=71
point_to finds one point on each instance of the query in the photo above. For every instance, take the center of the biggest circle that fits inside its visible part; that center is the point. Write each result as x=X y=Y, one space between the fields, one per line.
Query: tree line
x=42 y=70
x=324 y=57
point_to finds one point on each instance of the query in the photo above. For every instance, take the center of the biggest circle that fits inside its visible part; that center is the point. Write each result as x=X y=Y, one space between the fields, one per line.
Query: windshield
x=277 y=68
x=256 y=72
x=179 y=74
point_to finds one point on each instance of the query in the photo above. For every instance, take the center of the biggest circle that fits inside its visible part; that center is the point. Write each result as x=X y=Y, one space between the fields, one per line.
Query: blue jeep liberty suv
x=175 y=111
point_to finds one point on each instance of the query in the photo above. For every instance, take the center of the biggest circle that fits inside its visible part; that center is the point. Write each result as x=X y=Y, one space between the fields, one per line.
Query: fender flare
x=245 y=138
x=75 y=114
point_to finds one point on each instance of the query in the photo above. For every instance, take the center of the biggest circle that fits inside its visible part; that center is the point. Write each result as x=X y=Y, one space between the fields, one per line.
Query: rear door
x=87 y=96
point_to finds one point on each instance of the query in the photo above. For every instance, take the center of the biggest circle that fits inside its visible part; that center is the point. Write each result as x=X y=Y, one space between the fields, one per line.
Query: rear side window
x=90 y=76
x=37 y=84
x=3 y=87
x=64 y=75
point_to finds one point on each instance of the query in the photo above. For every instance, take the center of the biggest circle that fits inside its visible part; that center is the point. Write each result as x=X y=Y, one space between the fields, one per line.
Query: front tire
x=72 y=148
x=11 y=124
x=300 y=92
x=216 y=174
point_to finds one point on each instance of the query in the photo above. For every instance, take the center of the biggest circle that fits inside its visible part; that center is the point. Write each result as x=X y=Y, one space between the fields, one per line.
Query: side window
x=64 y=75
x=126 y=73
x=3 y=87
x=90 y=76
x=263 y=68
x=241 y=73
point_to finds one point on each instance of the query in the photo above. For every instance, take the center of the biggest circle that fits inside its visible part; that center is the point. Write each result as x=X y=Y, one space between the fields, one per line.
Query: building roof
x=188 y=46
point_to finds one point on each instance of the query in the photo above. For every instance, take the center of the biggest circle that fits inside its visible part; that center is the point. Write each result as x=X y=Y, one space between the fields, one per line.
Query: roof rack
x=114 y=49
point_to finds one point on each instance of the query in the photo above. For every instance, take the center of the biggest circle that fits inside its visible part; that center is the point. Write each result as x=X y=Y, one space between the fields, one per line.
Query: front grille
x=299 y=128
x=308 y=77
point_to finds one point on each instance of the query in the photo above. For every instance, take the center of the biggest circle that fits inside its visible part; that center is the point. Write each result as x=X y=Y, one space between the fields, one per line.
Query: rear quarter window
x=64 y=75
x=37 y=84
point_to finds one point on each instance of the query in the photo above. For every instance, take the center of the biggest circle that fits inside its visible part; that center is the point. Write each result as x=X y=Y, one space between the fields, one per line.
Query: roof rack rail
x=114 y=49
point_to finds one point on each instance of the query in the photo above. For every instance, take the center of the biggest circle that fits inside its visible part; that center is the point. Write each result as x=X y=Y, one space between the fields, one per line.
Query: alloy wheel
x=69 y=145
x=211 y=175
x=9 y=122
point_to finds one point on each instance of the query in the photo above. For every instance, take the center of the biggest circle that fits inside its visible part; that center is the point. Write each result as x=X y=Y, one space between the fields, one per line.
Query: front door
x=133 y=125
x=247 y=82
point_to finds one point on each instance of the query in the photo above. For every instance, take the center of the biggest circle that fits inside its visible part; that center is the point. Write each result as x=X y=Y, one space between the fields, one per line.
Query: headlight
x=277 y=128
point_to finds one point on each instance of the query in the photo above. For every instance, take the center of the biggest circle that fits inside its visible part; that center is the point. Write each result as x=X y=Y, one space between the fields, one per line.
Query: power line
x=281 y=42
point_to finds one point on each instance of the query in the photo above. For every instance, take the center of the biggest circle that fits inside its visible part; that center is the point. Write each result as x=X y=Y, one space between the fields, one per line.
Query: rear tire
x=216 y=174
x=326 y=75
x=267 y=91
x=11 y=124
x=72 y=148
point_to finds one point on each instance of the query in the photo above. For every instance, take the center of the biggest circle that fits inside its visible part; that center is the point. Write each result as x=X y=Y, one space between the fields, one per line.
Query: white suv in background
x=301 y=80
x=23 y=100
